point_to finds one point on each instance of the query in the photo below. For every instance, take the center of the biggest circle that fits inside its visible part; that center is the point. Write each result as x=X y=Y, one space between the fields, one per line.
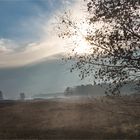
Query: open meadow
x=83 y=118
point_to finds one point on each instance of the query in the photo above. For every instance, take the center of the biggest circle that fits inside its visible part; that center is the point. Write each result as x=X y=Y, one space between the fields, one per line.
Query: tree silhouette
x=22 y=96
x=1 y=95
x=68 y=91
x=114 y=35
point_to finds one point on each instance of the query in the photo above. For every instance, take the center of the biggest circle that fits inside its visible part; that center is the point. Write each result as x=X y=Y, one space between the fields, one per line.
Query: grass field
x=86 y=118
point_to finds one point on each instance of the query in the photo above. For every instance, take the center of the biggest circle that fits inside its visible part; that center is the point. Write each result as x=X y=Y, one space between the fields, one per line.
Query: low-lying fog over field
x=71 y=118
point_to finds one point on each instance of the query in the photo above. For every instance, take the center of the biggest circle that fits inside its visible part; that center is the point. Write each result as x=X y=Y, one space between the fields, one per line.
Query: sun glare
x=82 y=46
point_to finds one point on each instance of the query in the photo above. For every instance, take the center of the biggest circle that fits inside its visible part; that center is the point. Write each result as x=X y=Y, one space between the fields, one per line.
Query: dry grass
x=104 y=118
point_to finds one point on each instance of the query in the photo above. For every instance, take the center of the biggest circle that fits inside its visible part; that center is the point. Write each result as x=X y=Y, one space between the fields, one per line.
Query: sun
x=82 y=46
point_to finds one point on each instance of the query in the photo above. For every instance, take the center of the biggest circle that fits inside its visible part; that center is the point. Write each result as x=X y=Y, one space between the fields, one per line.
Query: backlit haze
x=30 y=50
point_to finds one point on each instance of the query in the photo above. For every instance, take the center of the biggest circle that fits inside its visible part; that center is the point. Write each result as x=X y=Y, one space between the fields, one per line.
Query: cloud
x=6 y=46
x=15 y=54
x=32 y=52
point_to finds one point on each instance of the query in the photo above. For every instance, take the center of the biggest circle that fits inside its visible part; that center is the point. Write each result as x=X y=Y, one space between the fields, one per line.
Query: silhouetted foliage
x=1 y=95
x=114 y=35
x=22 y=96
x=68 y=91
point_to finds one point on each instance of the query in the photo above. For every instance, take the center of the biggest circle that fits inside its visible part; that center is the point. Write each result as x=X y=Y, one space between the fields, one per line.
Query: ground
x=84 y=118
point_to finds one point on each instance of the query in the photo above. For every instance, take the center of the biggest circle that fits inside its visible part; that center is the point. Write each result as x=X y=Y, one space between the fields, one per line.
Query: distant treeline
x=84 y=90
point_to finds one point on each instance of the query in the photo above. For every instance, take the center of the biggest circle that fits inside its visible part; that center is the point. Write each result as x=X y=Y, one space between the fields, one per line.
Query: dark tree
x=1 y=95
x=22 y=96
x=114 y=35
x=68 y=91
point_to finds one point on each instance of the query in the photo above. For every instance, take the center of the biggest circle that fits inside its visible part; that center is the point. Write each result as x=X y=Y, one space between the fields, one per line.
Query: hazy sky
x=26 y=38
x=25 y=26
x=27 y=29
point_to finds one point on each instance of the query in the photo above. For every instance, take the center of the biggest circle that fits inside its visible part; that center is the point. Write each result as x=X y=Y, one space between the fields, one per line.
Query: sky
x=27 y=29
x=30 y=49
x=24 y=29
